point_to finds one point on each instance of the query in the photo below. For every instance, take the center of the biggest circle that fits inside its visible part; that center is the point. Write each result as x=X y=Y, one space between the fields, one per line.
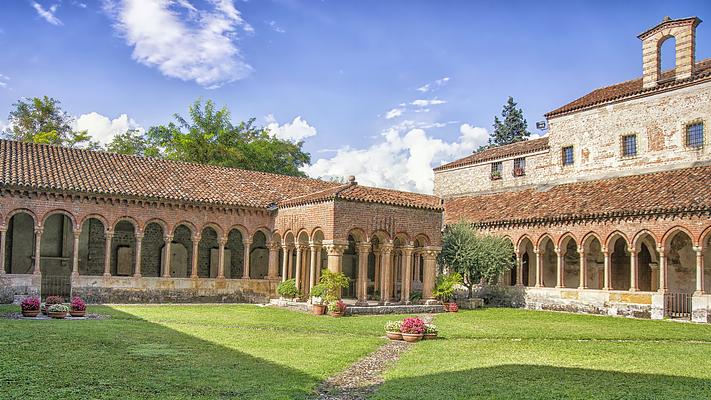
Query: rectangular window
x=629 y=146
x=496 y=169
x=567 y=154
x=519 y=168
x=695 y=135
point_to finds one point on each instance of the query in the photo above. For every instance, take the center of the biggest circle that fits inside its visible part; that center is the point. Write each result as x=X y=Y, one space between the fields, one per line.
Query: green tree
x=511 y=128
x=133 y=142
x=42 y=120
x=208 y=136
x=475 y=256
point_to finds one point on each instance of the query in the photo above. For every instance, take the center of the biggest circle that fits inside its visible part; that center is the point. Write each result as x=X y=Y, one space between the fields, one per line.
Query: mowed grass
x=520 y=354
x=180 y=352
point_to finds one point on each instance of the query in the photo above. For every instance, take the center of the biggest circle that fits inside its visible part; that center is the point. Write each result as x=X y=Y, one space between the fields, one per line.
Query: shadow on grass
x=131 y=358
x=518 y=381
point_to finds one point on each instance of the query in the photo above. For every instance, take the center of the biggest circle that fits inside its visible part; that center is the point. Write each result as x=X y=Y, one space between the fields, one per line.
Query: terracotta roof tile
x=687 y=189
x=509 y=150
x=702 y=70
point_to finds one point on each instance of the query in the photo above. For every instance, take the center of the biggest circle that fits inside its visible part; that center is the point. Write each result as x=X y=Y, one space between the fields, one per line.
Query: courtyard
x=255 y=352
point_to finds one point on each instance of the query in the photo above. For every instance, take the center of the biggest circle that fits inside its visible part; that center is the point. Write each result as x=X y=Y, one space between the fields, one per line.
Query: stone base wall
x=15 y=287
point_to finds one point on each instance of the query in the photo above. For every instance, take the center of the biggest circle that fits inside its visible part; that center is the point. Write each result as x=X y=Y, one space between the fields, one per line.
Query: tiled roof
x=681 y=190
x=509 y=150
x=355 y=192
x=46 y=167
x=702 y=71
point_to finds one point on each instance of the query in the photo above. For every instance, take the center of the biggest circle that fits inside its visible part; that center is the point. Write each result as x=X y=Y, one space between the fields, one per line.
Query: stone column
x=245 y=264
x=168 y=239
x=417 y=276
x=319 y=263
x=75 y=252
x=560 y=266
x=107 y=253
x=36 y=270
x=335 y=251
x=700 y=289
x=3 y=236
x=362 y=283
x=430 y=273
x=284 y=263
x=539 y=266
x=583 y=271
x=194 y=260
x=385 y=266
x=139 y=246
x=607 y=271
x=221 y=257
x=297 y=272
x=519 y=270
x=313 y=265
x=273 y=269
x=634 y=271
x=663 y=283
x=406 y=274
x=376 y=277
x=290 y=265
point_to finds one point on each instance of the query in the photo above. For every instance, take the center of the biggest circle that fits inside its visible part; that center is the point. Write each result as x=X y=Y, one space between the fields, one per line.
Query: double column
x=362 y=281
x=315 y=263
x=430 y=273
x=700 y=289
x=519 y=269
x=539 y=265
x=385 y=273
x=334 y=250
x=406 y=279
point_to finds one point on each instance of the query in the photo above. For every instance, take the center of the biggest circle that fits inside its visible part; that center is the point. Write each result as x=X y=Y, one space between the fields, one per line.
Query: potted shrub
x=78 y=307
x=453 y=307
x=287 y=289
x=445 y=287
x=317 y=303
x=392 y=330
x=333 y=282
x=51 y=300
x=57 y=311
x=430 y=331
x=30 y=306
x=412 y=329
x=337 y=308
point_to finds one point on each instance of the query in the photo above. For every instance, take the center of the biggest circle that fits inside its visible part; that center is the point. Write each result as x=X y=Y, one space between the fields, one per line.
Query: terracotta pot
x=429 y=336
x=412 y=337
x=394 y=335
x=57 y=315
x=336 y=313
x=318 y=309
x=75 y=313
x=30 y=313
x=446 y=306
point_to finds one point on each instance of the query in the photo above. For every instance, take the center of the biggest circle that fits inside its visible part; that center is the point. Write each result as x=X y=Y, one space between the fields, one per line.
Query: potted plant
x=337 y=308
x=412 y=329
x=288 y=289
x=57 y=311
x=453 y=307
x=30 y=306
x=392 y=330
x=333 y=282
x=78 y=307
x=495 y=175
x=430 y=331
x=317 y=302
x=49 y=301
x=445 y=287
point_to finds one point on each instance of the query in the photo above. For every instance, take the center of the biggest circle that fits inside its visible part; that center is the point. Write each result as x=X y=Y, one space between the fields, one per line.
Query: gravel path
x=363 y=378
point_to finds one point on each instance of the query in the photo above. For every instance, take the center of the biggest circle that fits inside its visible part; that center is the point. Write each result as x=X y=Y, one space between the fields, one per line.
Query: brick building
x=115 y=228
x=610 y=212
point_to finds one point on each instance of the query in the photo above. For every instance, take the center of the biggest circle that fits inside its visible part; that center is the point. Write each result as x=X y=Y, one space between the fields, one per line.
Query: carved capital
x=335 y=249
x=169 y=238
x=408 y=250
x=363 y=247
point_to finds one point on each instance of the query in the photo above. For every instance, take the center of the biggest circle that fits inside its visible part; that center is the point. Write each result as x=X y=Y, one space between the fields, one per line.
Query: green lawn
x=244 y=351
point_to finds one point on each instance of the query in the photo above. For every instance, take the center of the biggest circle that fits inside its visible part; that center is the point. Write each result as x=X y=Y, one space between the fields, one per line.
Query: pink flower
x=30 y=303
x=78 y=304
x=412 y=326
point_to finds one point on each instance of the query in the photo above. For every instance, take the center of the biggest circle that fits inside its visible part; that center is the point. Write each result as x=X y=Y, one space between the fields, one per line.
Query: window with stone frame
x=695 y=135
x=629 y=146
x=567 y=155
x=519 y=166
x=496 y=169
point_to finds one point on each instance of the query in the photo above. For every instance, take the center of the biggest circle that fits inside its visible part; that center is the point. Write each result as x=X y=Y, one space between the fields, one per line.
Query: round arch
x=671 y=232
x=23 y=211
x=59 y=211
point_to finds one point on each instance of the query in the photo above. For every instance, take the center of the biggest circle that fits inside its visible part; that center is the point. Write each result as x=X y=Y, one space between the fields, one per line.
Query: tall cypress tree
x=512 y=129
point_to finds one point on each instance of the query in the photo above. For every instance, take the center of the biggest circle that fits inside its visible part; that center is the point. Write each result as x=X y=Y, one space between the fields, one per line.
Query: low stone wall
x=15 y=287
x=395 y=309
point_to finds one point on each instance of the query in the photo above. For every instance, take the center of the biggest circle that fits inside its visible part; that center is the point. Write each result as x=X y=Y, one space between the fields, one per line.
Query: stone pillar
x=107 y=253
x=313 y=265
x=3 y=236
x=75 y=252
x=194 y=259
x=376 y=277
x=560 y=266
x=583 y=271
x=663 y=283
x=38 y=239
x=406 y=274
x=168 y=239
x=290 y=264
x=607 y=271
x=700 y=289
x=245 y=264
x=221 y=257
x=385 y=250
x=319 y=263
x=273 y=269
x=335 y=251
x=430 y=272
x=139 y=246
x=634 y=271
x=418 y=265
x=519 y=270
x=297 y=272
x=284 y=263
x=362 y=283
x=539 y=266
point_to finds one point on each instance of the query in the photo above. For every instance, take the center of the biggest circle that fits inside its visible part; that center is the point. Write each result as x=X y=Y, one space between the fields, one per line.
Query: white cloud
x=275 y=27
x=296 y=130
x=183 y=41
x=102 y=128
x=426 y=103
x=4 y=80
x=394 y=113
x=47 y=14
x=403 y=159
x=433 y=85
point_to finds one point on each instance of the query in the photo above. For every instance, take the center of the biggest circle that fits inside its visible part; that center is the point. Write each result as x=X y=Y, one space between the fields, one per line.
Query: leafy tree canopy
x=511 y=128
x=475 y=256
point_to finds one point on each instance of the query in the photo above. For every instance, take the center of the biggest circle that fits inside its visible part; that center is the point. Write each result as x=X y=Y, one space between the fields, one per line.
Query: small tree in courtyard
x=475 y=256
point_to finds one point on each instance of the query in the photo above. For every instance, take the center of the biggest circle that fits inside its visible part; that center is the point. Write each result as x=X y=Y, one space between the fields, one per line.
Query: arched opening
x=181 y=252
x=706 y=259
x=20 y=244
x=151 y=249
x=208 y=253
x=234 y=255
x=92 y=247
x=258 y=256
x=681 y=263
x=123 y=247
x=418 y=267
x=667 y=54
x=290 y=256
x=571 y=263
x=647 y=262
x=528 y=262
x=619 y=263
x=594 y=263
x=548 y=258
x=276 y=240
x=350 y=267
x=56 y=248
x=317 y=239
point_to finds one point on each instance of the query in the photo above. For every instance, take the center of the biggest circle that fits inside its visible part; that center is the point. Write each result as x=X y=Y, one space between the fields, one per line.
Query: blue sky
x=348 y=77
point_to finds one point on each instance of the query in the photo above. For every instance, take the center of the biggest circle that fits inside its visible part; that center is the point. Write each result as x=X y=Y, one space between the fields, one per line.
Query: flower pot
x=30 y=313
x=336 y=313
x=318 y=309
x=429 y=336
x=75 y=313
x=453 y=307
x=412 y=337
x=57 y=315
x=394 y=335
x=446 y=306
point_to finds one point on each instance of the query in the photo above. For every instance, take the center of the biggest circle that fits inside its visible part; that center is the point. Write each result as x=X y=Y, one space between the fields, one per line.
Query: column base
x=106 y=275
x=74 y=275
x=699 y=293
x=361 y=303
x=137 y=275
x=431 y=302
x=633 y=289
x=582 y=287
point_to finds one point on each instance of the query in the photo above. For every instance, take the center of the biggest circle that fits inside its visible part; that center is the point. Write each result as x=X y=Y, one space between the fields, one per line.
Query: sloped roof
x=509 y=150
x=702 y=71
x=680 y=190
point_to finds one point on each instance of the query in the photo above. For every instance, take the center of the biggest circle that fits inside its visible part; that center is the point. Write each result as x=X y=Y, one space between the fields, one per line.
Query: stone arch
x=276 y=241
x=645 y=245
x=303 y=237
x=521 y=239
x=123 y=247
x=181 y=249
x=544 y=237
x=234 y=252
x=317 y=235
x=259 y=255
x=56 y=250
x=208 y=251
x=666 y=44
x=592 y=245
x=20 y=241
x=546 y=248
x=422 y=239
x=152 y=243
x=97 y=217
x=588 y=238
x=56 y=211
x=674 y=231
x=242 y=230
x=528 y=260
x=265 y=231
x=704 y=240
x=35 y=220
x=614 y=236
x=92 y=245
x=564 y=238
x=642 y=235
x=570 y=253
x=186 y=224
x=217 y=228
x=617 y=246
x=680 y=260
x=289 y=238
x=131 y=220
x=705 y=247
x=162 y=223
x=383 y=236
x=358 y=234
